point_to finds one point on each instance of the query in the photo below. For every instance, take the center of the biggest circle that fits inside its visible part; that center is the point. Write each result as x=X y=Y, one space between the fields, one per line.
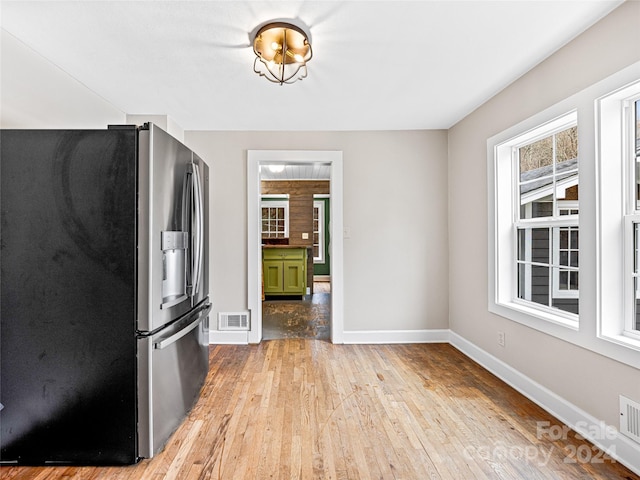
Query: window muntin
x=547 y=223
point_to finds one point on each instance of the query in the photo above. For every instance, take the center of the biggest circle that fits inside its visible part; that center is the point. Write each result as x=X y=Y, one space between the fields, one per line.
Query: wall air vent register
x=233 y=321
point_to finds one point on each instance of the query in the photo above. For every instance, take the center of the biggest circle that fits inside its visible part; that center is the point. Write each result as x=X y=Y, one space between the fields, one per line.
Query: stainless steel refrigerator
x=104 y=290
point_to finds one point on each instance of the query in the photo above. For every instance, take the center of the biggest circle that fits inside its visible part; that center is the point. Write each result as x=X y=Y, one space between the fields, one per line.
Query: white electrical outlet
x=501 y=339
x=305 y=236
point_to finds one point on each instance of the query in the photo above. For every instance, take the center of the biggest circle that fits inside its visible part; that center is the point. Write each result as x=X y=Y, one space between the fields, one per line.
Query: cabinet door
x=273 y=276
x=294 y=280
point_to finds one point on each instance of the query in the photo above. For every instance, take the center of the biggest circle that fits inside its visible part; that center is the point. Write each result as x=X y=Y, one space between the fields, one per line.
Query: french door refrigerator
x=104 y=293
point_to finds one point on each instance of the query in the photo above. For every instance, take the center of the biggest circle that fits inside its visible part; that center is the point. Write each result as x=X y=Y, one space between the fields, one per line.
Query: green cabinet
x=284 y=271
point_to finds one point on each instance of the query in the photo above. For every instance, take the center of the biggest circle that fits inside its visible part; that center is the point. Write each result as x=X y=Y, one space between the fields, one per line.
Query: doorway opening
x=295 y=220
x=319 y=298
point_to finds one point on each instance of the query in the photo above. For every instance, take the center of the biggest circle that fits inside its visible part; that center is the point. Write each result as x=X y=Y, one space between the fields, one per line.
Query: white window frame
x=506 y=205
x=617 y=215
x=279 y=201
x=319 y=204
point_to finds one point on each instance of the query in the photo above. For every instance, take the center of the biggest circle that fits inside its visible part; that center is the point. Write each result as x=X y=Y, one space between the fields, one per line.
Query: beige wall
x=585 y=379
x=395 y=268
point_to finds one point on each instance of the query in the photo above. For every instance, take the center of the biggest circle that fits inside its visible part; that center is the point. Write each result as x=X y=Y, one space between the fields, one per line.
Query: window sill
x=622 y=340
x=539 y=319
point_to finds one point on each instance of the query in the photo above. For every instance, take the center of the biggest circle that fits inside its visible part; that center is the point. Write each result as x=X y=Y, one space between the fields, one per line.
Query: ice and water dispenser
x=174 y=267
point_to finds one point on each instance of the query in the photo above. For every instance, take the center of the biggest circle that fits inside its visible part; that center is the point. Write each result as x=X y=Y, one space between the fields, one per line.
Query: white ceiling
x=294 y=171
x=377 y=65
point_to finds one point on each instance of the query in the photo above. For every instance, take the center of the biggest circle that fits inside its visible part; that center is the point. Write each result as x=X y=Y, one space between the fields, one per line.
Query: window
x=275 y=217
x=564 y=235
x=618 y=158
x=548 y=254
x=632 y=116
x=537 y=213
x=318 y=231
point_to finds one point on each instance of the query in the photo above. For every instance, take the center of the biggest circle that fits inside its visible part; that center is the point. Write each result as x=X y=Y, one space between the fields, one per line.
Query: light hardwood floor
x=307 y=409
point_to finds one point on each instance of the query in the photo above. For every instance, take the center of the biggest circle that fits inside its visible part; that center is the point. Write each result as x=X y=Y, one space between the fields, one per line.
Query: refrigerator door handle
x=198 y=234
x=187 y=201
x=165 y=342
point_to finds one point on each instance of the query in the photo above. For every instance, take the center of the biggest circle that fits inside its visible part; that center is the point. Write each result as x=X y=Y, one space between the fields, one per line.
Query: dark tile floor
x=309 y=317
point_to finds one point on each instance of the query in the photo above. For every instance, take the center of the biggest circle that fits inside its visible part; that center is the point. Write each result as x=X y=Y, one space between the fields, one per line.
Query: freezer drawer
x=172 y=367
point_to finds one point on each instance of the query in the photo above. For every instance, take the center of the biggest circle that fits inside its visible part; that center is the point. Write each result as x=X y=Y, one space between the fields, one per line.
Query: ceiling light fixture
x=282 y=51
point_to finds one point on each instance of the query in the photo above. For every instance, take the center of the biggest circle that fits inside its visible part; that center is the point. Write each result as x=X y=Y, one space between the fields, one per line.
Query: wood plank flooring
x=307 y=409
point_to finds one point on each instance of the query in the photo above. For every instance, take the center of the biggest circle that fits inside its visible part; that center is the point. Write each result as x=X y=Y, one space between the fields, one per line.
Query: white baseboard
x=228 y=337
x=607 y=438
x=396 y=336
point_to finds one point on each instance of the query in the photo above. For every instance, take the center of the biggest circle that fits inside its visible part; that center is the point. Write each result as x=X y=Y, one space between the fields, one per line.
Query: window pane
x=548 y=188
x=540 y=285
x=564 y=280
x=535 y=156
x=540 y=239
x=567 y=145
x=637 y=148
x=533 y=245
x=564 y=238
x=636 y=249
x=636 y=323
x=522 y=243
x=548 y=173
x=574 y=259
x=637 y=127
x=573 y=280
x=636 y=243
x=540 y=279
x=564 y=258
x=523 y=277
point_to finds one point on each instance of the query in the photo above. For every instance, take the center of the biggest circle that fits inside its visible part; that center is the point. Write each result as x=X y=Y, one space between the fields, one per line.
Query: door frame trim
x=257 y=158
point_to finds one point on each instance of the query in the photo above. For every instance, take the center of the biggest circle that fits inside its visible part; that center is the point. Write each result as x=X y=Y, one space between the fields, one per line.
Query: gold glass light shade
x=282 y=52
